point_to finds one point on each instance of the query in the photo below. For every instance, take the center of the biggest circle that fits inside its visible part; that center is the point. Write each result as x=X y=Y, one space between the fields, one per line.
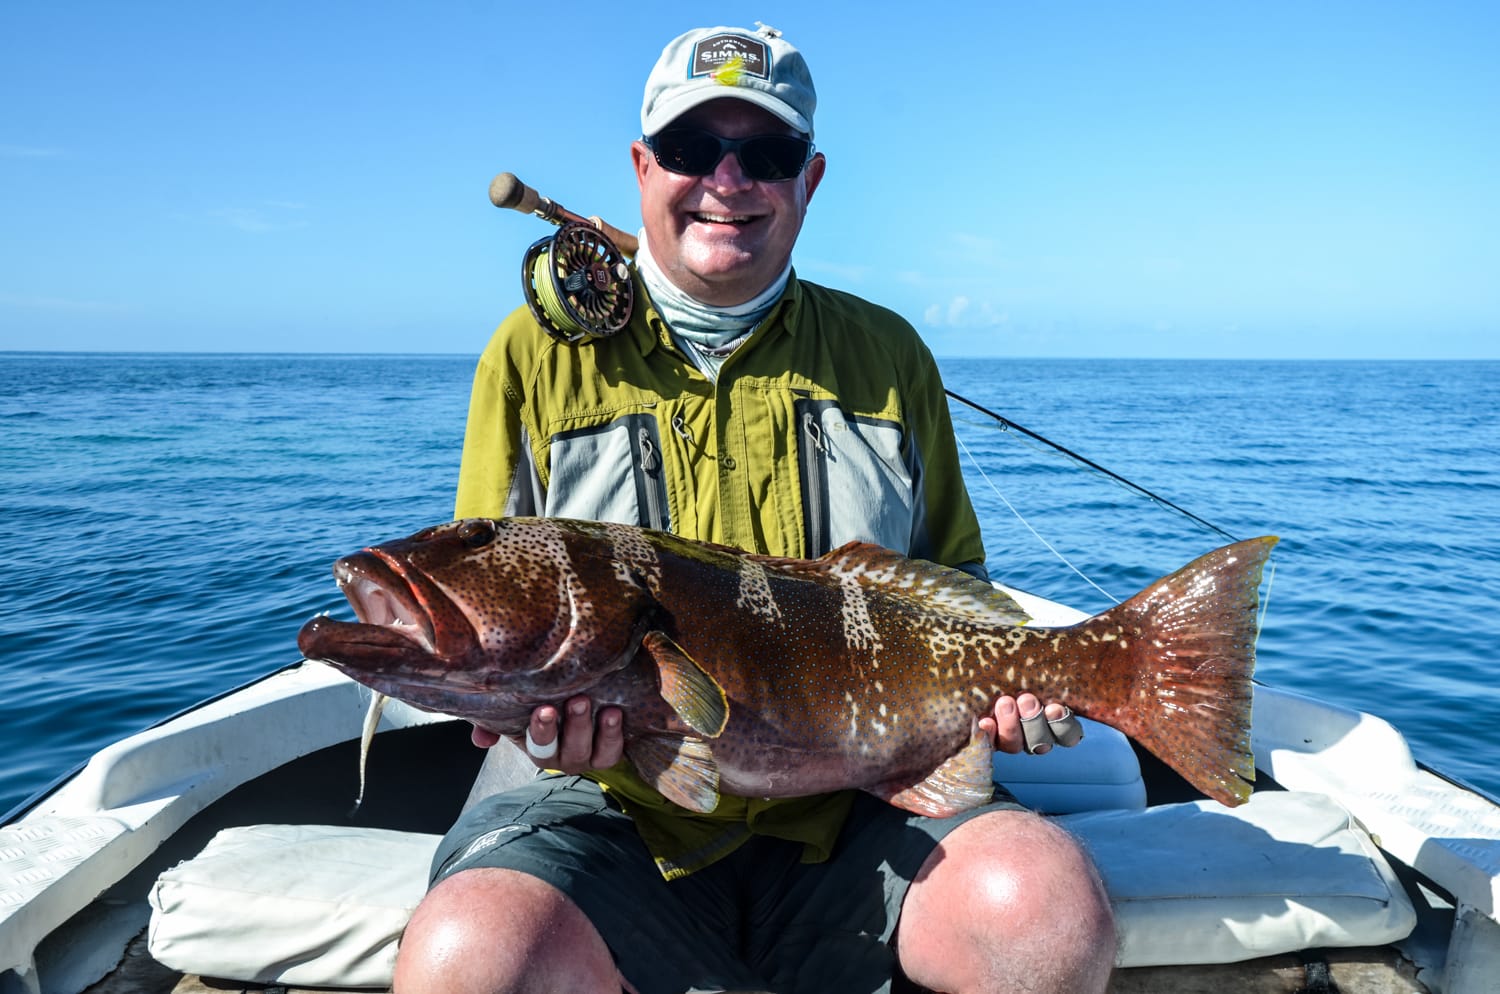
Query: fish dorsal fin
x=964 y=781
x=681 y=768
x=693 y=693
x=920 y=583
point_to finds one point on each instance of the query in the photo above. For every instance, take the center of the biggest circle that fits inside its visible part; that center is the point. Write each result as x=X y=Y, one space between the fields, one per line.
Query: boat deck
x=1366 y=971
x=433 y=763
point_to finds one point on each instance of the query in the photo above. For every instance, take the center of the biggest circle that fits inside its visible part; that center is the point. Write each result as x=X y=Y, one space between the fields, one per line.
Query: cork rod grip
x=506 y=190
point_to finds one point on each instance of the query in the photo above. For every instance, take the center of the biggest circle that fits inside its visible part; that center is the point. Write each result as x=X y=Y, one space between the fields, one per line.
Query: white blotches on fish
x=755 y=592
x=859 y=629
x=637 y=556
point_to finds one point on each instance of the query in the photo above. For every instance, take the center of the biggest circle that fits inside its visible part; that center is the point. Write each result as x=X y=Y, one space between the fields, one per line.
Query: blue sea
x=169 y=521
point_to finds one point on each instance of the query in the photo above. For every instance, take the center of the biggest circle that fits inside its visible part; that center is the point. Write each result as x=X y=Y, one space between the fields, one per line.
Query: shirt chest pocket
x=613 y=471
x=858 y=481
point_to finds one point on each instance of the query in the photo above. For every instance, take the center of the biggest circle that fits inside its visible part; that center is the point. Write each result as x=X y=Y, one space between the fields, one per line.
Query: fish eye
x=476 y=533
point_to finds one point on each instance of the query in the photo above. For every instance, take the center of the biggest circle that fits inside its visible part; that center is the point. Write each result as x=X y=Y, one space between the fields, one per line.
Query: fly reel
x=577 y=284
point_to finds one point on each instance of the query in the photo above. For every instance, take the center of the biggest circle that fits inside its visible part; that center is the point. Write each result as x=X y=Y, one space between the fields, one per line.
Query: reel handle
x=506 y=190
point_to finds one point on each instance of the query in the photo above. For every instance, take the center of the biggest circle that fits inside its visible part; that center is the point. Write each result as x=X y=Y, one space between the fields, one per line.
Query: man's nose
x=729 y=174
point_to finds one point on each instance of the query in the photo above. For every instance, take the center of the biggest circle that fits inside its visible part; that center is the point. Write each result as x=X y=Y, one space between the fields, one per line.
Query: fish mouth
x=394 y=630
x=383 y=599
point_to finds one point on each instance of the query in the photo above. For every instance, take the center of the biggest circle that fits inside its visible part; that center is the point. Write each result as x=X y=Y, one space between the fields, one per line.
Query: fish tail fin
x=1193 y=658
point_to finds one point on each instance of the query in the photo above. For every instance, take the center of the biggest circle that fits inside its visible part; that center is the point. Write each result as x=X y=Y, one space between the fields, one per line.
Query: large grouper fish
x=767 y=677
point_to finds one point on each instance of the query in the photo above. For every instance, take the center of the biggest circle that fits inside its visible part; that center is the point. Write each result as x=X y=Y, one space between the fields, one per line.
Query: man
x=743 y=406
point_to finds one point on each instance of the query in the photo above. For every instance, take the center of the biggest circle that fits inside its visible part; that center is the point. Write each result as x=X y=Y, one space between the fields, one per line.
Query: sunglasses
x=764 y=158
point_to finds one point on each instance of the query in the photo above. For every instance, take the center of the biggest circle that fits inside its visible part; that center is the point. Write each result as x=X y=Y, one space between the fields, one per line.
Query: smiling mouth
x=709 y=217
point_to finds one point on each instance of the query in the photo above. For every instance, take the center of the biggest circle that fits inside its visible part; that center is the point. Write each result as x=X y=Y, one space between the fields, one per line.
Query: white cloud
x=962 y=312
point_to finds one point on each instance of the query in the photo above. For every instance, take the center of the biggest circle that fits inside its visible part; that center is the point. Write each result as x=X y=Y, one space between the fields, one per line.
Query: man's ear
x=812 y=174
x=642 y=160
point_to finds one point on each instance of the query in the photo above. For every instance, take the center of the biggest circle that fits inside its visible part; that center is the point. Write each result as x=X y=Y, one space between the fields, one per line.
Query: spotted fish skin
x=768 y=677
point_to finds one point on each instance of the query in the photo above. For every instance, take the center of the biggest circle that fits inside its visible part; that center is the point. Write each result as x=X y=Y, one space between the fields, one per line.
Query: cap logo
x=728 y=58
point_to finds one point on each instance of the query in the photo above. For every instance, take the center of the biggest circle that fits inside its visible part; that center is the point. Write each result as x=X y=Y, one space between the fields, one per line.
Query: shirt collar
x=650 y=331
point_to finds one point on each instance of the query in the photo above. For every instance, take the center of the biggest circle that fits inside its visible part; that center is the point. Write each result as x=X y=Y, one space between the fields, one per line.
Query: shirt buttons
x=726 y=462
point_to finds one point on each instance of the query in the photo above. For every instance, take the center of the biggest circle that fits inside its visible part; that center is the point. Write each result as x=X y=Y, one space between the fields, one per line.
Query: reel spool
x=577 y=285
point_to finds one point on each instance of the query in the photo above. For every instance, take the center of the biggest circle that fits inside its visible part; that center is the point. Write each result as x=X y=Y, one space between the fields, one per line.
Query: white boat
x=221 y=844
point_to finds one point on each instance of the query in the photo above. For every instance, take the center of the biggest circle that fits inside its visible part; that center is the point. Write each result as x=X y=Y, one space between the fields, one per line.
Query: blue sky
x=1279 y=180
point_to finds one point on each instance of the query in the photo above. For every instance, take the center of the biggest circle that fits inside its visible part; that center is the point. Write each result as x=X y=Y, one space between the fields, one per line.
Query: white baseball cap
x=704 y=64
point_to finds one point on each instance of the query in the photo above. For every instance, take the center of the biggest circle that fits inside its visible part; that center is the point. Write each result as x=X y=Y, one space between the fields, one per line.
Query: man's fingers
x=1008 y=726
x=577 y=736
x=1053 y=725
x=609 y=738
x=1039 y=738
x=541 y=742
x=1064 y=725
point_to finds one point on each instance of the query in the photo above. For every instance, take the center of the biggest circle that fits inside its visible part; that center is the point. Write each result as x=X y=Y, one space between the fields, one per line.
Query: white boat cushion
x=1101 y=771
x=304 y=905
x=1191 y=883
x=1202 y=883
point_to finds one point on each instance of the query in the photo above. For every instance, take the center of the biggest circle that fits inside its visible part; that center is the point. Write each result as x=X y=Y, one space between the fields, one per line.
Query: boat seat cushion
x=1202 y=883
x=302 y=905
x=1190 y=883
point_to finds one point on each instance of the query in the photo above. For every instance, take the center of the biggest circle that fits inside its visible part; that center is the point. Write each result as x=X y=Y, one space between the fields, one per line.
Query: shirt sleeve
x=947 y=529
x=497 y=475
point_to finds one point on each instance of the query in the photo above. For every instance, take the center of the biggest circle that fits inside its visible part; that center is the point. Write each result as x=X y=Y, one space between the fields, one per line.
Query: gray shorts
x=758 y=920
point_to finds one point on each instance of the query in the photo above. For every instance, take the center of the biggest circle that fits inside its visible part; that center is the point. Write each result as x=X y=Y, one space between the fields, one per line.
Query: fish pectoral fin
x=682 y=768
x=693 y=693
x=965 y=780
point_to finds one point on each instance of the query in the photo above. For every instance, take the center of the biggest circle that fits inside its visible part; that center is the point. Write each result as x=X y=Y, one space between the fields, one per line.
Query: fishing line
x=1021 y=518
x=1006 y=423
x=1265 y=600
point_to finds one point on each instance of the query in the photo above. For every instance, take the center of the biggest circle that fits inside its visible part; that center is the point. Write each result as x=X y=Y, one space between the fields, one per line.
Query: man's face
x=723 y=238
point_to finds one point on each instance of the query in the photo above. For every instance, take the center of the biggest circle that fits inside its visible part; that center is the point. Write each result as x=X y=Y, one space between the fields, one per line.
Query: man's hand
x=1058 y=727
x=583 y=743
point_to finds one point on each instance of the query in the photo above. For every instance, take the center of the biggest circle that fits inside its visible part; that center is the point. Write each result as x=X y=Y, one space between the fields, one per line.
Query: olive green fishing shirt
x=828 y=425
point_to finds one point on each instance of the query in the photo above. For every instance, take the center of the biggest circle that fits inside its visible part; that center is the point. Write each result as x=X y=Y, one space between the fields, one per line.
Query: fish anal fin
x=681 y=768
x=696 y=696
x=963 y=781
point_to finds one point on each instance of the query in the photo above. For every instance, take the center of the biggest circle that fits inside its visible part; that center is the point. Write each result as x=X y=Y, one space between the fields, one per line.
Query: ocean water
x=169 y=520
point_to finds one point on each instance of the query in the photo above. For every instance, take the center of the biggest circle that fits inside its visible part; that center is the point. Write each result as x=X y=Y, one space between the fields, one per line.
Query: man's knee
x=1015 y=896
x=487 y=931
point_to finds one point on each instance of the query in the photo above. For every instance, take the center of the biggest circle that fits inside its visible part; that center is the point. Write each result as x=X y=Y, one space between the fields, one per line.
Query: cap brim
x=667 y=111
